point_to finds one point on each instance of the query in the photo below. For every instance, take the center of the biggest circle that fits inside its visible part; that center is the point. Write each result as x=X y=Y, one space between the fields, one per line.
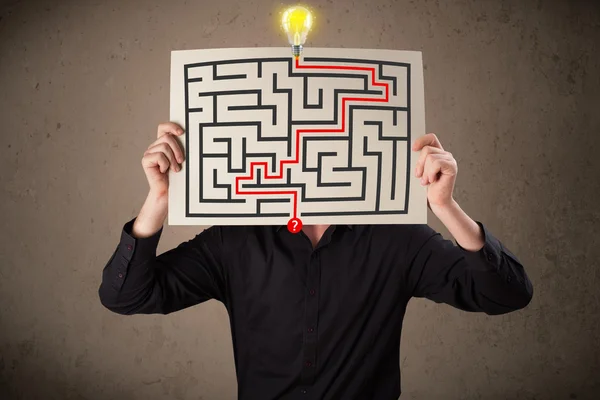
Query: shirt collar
x=278 y=227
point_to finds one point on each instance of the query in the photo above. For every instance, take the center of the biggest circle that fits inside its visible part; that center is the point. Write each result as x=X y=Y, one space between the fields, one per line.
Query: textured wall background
x=512 y=89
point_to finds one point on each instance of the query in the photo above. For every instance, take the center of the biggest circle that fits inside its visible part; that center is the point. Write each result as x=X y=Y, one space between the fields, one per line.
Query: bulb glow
x=296 y=22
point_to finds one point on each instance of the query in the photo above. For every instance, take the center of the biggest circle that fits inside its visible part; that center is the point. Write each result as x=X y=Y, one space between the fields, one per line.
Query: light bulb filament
x=296 y=22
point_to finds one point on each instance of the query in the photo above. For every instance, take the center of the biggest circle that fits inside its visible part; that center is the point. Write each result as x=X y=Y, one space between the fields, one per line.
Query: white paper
x=245 y=109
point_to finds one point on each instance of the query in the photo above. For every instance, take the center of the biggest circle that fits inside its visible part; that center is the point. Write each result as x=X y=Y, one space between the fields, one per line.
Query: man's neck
x=314 y=232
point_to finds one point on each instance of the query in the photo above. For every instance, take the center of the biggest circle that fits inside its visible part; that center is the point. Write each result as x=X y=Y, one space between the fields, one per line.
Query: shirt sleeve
x=491 y=280
x=136 y=281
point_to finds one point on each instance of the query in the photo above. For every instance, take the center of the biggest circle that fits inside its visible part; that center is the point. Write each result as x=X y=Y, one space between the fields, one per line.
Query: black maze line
x=290 y=184
x=236 y=215
x=290 y=121
x=305 y=104
x=227 y=186
x=273 y=156
x=319 y=167
x=302 y=214
x=187 y=141
x=394 y=141
x=245 y=155
x=319 y=170
x=346 y=213
x=230 y=169
x=256 y=124
x=260 y=202
x=305 y=168
x=302 y=190
x=380 y=65
x=377 y=154
x=217 y=77
x=290 y=62
x=320 y=182
x=364 y=76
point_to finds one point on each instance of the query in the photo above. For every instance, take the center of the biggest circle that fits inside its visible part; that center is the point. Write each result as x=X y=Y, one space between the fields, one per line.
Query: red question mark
x=294 y=225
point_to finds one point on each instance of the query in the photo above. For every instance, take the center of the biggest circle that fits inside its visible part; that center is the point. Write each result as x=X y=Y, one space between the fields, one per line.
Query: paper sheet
x=325 y=139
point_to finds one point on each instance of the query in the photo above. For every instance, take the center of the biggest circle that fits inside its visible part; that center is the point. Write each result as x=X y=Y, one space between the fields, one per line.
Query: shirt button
x=312 y=292
x=311 y=330
x=129 y=247
x=303 y=391
x=509 y=278
x=308 y=363
x=120 y=275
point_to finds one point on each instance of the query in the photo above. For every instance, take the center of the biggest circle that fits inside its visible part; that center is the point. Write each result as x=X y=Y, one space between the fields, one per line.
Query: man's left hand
x=437 y=169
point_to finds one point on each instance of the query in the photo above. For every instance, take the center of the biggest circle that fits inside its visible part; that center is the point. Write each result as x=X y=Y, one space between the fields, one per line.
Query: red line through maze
x=295 y=160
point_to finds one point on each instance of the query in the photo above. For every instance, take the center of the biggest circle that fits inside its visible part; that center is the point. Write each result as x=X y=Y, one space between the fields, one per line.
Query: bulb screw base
x=296 y=50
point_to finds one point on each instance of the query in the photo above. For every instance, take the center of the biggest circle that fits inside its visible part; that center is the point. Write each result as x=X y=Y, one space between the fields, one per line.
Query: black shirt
x=314 y=323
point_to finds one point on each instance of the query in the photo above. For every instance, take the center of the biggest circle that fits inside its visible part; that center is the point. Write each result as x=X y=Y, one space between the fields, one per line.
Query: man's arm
x=467 y=233
x=478 y=274
x=136 y=281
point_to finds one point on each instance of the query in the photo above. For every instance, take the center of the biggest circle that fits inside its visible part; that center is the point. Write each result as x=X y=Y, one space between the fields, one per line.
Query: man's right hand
x=164 y=154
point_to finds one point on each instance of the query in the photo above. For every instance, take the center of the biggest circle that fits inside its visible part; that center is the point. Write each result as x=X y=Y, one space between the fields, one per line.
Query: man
x=318 y=314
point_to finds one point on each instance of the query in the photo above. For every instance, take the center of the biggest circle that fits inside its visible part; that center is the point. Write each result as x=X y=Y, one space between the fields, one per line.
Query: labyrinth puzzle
x=322 y=139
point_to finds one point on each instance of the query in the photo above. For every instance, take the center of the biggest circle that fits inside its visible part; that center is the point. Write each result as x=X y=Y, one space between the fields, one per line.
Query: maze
x=274 y=139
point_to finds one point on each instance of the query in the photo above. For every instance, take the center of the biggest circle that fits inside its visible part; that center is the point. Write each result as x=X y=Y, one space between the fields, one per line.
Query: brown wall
x=511 y=89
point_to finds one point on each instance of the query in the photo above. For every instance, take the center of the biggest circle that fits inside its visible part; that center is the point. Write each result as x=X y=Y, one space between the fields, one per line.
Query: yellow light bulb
x=296 y=22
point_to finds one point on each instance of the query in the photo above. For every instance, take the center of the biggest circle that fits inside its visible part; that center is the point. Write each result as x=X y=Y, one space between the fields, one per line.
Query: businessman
x=318 y=314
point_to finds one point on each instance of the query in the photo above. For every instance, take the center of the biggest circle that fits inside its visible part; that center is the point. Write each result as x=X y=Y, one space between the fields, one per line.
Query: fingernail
x=180 y=131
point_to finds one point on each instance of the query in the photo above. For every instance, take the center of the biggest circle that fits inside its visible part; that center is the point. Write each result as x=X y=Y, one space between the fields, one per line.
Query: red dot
x=294 y=225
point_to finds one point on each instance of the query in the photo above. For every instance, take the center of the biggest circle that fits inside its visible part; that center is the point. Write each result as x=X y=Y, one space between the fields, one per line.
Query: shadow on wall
x=26 y=373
